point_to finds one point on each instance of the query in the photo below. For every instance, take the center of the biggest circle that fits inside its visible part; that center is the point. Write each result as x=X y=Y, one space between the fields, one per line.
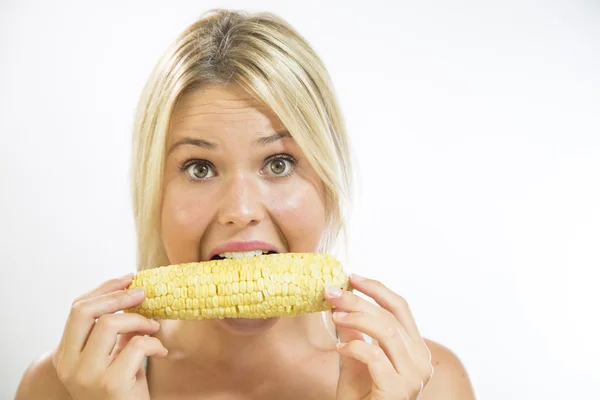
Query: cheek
x=300 y=214
x=184 y=218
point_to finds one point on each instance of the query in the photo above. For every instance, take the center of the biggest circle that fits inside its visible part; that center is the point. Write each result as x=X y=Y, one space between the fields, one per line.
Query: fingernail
x=340 y=345
x=334 y=291
x=339 y=314
x=136 y=292
x=357 y=277
x=127 y=277
x=154 y=322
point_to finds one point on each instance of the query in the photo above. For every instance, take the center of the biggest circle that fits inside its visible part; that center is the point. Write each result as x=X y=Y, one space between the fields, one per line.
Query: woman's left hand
x=399 y=365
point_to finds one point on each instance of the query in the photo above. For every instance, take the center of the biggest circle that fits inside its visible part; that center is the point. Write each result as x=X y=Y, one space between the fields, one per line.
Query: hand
x=398 y=366
x=100 y=354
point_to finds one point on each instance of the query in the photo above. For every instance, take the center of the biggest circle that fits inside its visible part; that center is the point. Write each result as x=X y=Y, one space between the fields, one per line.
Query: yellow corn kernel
x=275 y=285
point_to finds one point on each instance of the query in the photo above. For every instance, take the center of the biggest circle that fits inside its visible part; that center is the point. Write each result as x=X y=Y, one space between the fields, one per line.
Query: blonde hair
x=266 y=57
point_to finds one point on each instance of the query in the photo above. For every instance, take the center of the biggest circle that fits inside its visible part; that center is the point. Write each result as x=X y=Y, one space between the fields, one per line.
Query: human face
x=230 y=180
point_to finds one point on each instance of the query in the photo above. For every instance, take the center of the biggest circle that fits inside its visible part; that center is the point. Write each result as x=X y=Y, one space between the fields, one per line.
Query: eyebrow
x=267 y=140
x=205 y=144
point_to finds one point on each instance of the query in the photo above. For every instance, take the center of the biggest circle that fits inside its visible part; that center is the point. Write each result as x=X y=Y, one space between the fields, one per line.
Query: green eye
x=200 y=171
x=278 y=167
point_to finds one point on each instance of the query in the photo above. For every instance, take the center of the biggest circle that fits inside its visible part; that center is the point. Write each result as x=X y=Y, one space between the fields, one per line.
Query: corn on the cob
x=275 y=285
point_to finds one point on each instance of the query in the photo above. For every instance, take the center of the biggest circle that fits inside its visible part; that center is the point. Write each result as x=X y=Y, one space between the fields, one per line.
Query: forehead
x=219 y=108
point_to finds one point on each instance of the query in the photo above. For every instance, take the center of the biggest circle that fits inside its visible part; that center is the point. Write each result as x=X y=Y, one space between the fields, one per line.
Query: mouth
x=241 y=254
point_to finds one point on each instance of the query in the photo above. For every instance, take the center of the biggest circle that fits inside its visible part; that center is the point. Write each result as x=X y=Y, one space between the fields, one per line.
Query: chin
x=247 y=327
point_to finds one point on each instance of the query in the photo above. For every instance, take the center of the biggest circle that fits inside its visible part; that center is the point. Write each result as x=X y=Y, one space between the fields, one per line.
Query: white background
x=476 y=126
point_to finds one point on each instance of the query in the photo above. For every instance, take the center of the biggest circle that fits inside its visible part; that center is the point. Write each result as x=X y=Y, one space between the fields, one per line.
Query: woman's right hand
x=100 y=354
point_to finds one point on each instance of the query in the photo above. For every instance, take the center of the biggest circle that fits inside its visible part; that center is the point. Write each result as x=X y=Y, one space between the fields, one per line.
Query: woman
x=239 y=145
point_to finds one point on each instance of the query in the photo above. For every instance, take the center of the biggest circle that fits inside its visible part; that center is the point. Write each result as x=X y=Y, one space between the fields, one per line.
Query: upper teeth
x=240 y=254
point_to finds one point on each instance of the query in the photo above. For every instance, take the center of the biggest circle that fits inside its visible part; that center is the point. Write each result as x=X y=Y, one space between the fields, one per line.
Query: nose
x=241 y=204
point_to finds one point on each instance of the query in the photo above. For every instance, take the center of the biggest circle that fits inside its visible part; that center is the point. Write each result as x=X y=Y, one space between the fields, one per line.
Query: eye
x=199 y=170
x=281 y=165
x=278 y=166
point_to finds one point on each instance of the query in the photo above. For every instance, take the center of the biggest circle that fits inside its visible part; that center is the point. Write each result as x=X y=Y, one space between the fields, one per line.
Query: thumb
x=353 y=372
x=122 y=340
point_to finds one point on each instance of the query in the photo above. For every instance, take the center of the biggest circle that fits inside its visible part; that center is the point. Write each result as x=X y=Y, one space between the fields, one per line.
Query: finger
x=347 y=334
x=83 y=316
x=380 y=368
x=344 y=300
x=350 y=302
x=129 y=361
x=389 y=300
x=122 y=340
x=106 y=287
x=390 y=335
x=350 y=368
x=104 y=336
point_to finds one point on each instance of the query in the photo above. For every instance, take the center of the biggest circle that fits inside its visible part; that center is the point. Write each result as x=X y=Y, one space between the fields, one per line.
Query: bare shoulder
x=450 y=380
x=41 y=382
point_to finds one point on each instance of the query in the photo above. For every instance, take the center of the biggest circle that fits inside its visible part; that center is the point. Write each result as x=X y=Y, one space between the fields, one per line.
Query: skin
x=243 y=193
